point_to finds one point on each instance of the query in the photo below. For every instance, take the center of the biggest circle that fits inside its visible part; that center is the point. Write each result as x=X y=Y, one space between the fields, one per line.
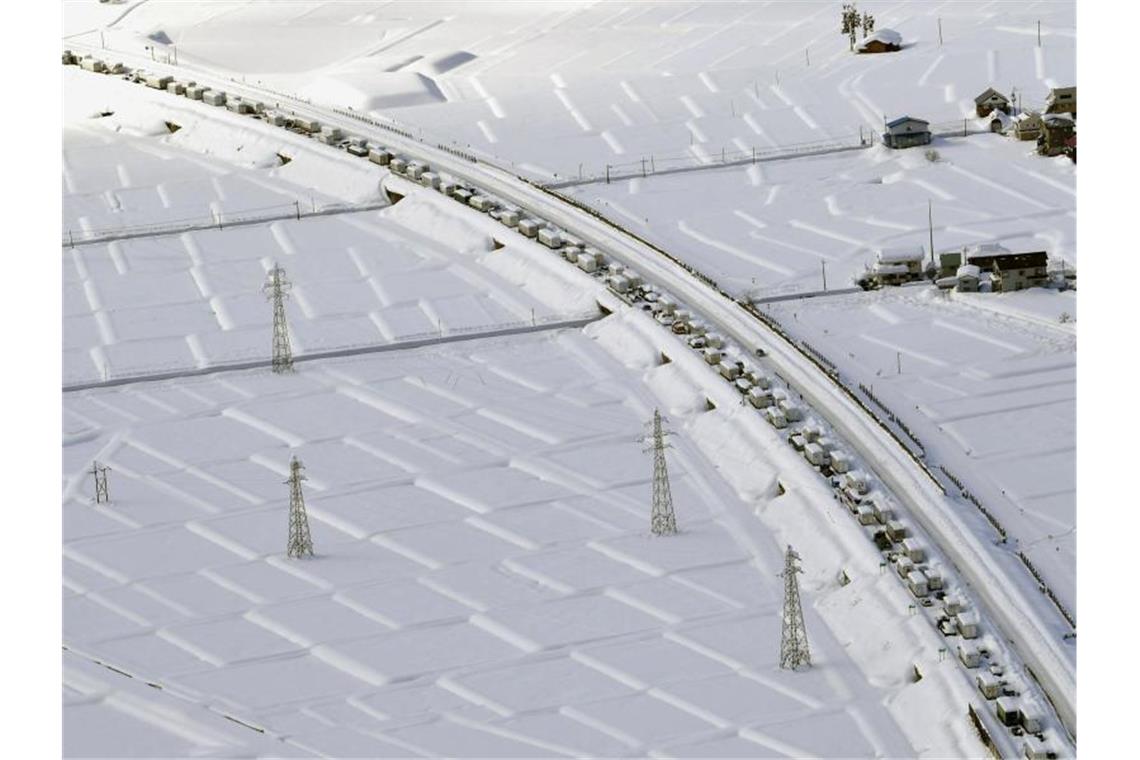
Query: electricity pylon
x=276 y=289
x=662 y=520
x=300 y=543
x=100 y=472
x=794 y=651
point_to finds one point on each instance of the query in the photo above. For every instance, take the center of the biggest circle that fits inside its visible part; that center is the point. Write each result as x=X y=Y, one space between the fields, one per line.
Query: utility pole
x=823 y=271
x=663 y=521
x=100 y=473
x=1038 y=34
x=898 y=359
x=276 y=289
x=939 y=31
x=300 y=543
x=607 y=174
x=807 y=57
x=794 y=651
x=930 y=224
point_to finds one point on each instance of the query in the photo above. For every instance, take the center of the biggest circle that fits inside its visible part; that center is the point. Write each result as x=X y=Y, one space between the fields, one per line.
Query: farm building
x=1056 y=131
x=906 y=132
x=882 y=41
x=1062 y=100
x=1011 y=271
x=969 y=277
x=989 y=101
x=1028 y=126
x=895 y=266
x=948 y=263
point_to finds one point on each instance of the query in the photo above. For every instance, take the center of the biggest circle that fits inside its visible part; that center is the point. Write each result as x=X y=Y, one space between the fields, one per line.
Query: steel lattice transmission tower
x=662 y=521
x=277 y=290
x=794 y=651
x=300 y=543
x=100 y=472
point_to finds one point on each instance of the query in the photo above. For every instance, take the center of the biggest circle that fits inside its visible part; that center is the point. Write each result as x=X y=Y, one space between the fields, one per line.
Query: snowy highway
x=1026 y=618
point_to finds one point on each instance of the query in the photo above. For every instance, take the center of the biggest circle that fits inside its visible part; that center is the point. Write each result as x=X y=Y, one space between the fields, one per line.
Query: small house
x=948 y=263
x=1062 y=100
x=1007 y=711
x=916 y=582
x=1012 y=271
x=967 y=623
x=882 y=41
x=969 y=655
x=894 y=266
x=906 y=132
x=1027 y=126
x=1056 y=131
x=988 y=684
x=969 y=276
x=989 y=101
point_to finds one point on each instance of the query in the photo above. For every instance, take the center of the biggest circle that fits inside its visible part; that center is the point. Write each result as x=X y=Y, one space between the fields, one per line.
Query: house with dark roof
x=989 y=101
x=906 y=131
x=1062 y=100
x=1010 y=271
x=1057 y=129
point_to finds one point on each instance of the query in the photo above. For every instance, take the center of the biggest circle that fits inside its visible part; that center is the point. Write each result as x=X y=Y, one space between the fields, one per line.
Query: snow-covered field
x=668 y=78
x=194 y=299
x=783 y=226
x=485 y=582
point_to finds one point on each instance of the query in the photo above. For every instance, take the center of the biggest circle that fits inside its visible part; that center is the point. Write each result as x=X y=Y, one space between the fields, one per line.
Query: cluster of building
x=983 y=268
x=1054 y=129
